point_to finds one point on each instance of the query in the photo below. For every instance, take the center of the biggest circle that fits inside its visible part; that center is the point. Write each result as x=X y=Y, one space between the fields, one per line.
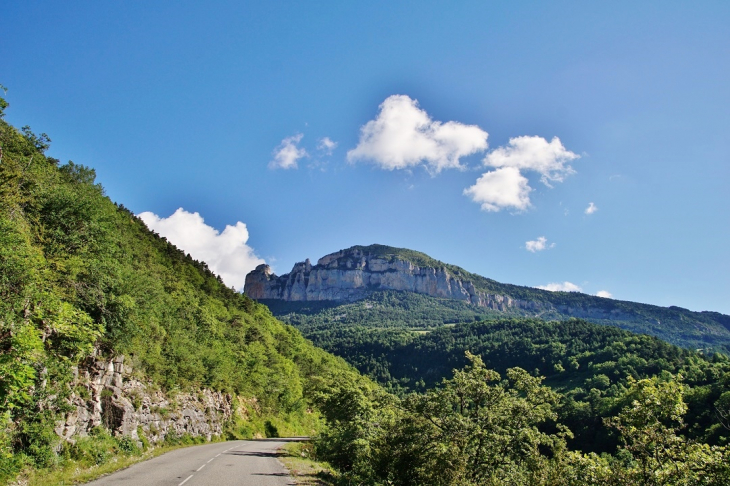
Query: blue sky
x=183 y=105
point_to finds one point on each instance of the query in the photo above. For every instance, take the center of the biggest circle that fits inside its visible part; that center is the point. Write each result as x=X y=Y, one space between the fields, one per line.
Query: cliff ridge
x=358 y=273
x=350 y=275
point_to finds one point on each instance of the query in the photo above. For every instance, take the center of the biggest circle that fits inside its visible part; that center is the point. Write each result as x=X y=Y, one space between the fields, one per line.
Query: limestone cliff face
x=349 y=275
x=107 y=393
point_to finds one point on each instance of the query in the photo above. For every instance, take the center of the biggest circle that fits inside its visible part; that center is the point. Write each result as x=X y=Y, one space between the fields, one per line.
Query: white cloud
x=604 y=293
x=326 y=145
x=403 y=135
x=287 y=153
x=499 y=189
x=592 y=208
x=560 y=287
x=550 y=159
x=225 y=253
x=538 y=245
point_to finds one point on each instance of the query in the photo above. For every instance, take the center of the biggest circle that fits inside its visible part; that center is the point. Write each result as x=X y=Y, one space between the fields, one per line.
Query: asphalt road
x=240 y=463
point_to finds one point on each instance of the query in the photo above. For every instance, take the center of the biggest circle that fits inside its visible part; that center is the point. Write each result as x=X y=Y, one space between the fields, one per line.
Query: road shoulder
x=298 y=459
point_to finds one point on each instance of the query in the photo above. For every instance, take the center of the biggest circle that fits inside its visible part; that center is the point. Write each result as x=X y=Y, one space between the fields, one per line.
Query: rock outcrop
x=107 y=394
x=349 y=275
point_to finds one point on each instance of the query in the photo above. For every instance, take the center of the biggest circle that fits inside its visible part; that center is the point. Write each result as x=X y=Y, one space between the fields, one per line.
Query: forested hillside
x=83 y=280
x=588 y=364
x=481 y=427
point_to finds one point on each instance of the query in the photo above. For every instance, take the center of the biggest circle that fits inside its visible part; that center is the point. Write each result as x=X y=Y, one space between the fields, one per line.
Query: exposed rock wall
x=349 y=275
x=107 y=394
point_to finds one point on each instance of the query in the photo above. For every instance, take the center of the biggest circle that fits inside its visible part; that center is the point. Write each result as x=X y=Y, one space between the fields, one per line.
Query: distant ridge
x=354 y=274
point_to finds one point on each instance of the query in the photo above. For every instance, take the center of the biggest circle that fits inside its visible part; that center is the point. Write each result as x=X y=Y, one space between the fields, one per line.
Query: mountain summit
x=352 y=274
x=361 y=272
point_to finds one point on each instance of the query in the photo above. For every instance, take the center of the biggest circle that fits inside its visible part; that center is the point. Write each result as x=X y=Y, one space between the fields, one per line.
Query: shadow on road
x=279 y=439
x=255 y=454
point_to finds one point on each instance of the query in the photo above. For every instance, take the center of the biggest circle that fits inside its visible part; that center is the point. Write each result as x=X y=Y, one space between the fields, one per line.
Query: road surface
x=240 y=463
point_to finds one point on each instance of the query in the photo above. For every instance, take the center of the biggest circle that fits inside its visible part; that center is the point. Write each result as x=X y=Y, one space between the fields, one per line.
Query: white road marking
x=186 y=480
x=210 y=459
x=201 y=467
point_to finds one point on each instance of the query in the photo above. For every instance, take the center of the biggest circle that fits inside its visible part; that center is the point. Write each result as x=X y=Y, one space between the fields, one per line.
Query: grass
x=73 y=472
x=298 y=458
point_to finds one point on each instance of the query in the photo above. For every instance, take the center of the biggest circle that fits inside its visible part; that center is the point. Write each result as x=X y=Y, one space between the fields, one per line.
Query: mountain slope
x=590 y=365
x=113 y=338
x=361 y=272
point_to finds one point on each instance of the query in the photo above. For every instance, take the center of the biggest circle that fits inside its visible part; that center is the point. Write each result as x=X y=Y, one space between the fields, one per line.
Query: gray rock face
x=349 y=275
x=107 y=394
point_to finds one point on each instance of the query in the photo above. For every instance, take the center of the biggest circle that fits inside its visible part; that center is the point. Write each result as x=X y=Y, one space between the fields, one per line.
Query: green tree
x=3 y=104
x=655 y=453
x=479 y=429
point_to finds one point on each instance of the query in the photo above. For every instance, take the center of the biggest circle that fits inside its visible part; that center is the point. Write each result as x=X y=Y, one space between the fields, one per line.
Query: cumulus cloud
x=499 y=189
x=403 y=136
x=560 y=287
x=592 y=208
x=287 y=153
x=604 y=293
x=536 y=154
x=549 y=159
x=226 y=253
x=326 y=145
x=539 y=244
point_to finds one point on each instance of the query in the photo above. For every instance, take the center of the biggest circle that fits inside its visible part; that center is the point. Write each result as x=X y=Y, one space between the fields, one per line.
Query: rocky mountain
x=358 y=273
x=350 y=275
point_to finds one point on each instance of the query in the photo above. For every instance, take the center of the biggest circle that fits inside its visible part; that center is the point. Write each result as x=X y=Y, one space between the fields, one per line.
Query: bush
x=183 y=440
x=93 y=450
x=270 y=429
x=128 y=445
x=143 y=438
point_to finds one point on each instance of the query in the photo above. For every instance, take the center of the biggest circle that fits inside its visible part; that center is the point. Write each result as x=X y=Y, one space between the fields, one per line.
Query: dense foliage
x=590 y=365
x=81 y=276
x=480 y=429
x=586 y=427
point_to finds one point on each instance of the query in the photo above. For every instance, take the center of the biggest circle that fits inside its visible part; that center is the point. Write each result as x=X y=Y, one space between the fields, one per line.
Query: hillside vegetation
x=82 y=278
x=481 y=427
x=589 y=365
